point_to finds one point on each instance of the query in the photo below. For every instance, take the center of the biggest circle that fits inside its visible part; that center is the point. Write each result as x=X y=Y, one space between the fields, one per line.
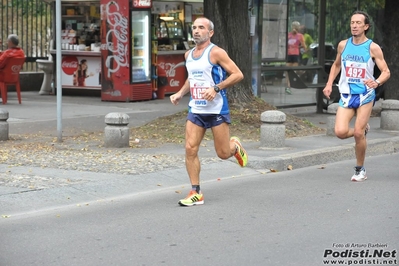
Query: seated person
x=12 y=51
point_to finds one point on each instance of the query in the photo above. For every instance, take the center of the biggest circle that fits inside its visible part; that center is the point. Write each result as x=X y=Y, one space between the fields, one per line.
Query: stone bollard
x=332 y=110
x=116 y=133
x=390 y=115
x=3 y=125
x=272 y=131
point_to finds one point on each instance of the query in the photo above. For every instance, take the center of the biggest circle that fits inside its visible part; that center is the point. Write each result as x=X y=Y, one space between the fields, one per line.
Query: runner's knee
x=191 y=150
x=223 y=154
x=341 y=133
x=359 y=133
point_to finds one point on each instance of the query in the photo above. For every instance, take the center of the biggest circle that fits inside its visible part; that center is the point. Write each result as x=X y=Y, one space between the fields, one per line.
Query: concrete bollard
x=3 y=125
x=272 y=131
x=390 y=115
x=332 y=110
x=116 y=132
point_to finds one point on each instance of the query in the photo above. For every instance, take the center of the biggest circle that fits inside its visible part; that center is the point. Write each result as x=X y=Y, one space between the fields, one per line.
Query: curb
x=325 y=155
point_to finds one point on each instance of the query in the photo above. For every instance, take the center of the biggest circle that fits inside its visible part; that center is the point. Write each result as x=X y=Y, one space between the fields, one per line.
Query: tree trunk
x=231 y=20
x=391 y=44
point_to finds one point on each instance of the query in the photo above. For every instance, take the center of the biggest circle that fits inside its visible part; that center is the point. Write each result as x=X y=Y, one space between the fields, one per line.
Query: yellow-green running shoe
x=193 y=198
x=241 y=155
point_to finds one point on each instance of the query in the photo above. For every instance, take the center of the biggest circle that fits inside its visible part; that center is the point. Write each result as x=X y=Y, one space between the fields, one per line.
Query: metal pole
x=321 y=50
x=256 y=43
x=58 y=67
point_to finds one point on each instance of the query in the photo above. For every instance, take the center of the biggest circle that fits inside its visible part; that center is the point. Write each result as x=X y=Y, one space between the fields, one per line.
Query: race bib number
x=355 y=72
x=196 y=89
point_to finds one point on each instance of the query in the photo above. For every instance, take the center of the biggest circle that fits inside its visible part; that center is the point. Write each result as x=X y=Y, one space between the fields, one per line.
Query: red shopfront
x=106 y=46
x=121 y=57
x=126 y=70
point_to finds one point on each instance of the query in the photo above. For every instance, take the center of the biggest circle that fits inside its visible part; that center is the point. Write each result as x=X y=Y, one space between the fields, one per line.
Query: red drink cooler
x=125 y=50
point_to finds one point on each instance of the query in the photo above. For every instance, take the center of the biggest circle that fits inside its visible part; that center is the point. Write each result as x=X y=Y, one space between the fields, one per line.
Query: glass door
x=175 y=28
x=141 y=63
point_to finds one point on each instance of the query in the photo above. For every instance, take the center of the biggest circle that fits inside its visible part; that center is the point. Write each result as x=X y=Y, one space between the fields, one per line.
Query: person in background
x=79 y=77
x=12 y=51
x=295 y=41
x=356 y=57
x=210 y=73
x=305 y=51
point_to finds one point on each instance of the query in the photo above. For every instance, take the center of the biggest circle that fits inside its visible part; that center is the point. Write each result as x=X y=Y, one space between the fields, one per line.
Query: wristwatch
x=216 y=88
x=378 y=82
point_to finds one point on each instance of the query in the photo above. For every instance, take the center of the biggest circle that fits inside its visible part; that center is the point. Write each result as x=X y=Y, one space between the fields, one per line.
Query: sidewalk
x=79 y=113
x=82 y=114
x=104 y=173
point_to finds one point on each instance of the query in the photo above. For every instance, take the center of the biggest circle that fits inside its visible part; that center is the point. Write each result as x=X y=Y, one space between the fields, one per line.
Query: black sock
x=196 y=188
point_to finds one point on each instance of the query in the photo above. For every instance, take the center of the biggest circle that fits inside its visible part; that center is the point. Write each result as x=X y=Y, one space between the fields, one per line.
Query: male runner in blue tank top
x=356 y=58
x=207 y=82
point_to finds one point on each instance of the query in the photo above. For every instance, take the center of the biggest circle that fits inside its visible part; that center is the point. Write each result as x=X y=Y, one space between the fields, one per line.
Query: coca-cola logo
x=69 y=64
x=16 y=68
x=142 y=3
x=116 y=38
x=171 y=68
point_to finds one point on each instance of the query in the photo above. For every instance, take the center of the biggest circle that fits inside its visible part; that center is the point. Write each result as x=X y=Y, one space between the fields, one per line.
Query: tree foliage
x=27 y=7
x=30 y=20
x=231 y=19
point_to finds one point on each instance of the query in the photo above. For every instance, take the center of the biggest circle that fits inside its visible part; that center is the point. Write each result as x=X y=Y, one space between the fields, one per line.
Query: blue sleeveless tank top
x=357 y=65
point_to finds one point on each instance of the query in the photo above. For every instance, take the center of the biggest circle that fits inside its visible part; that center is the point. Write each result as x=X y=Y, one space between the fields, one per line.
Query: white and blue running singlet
x=202 y=74
x=357 y=66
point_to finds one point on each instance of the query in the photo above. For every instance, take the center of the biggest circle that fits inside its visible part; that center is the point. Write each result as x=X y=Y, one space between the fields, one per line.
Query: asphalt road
x=285 y=218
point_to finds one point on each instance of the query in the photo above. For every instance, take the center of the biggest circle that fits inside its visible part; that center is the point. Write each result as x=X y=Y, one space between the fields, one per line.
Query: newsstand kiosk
x=126 y=70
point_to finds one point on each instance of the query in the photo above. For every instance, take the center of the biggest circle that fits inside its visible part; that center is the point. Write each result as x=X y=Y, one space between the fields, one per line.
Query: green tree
x=391 y=43
x=27 y=6
x=337 y=23
x=30 y=20
x=231 y=19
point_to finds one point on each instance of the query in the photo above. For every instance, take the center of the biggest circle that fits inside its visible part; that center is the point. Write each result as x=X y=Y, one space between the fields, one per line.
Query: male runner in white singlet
x=207 y=66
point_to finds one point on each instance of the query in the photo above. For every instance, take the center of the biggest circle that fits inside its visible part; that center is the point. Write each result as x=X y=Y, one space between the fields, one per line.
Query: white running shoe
x=359 y=175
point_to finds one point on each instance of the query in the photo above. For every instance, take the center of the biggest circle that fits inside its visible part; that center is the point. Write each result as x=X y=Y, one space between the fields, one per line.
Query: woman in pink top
x=295 y=42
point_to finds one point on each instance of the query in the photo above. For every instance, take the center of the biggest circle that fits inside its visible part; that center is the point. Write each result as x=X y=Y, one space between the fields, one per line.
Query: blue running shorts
x=208 y=120
x=354 y=101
